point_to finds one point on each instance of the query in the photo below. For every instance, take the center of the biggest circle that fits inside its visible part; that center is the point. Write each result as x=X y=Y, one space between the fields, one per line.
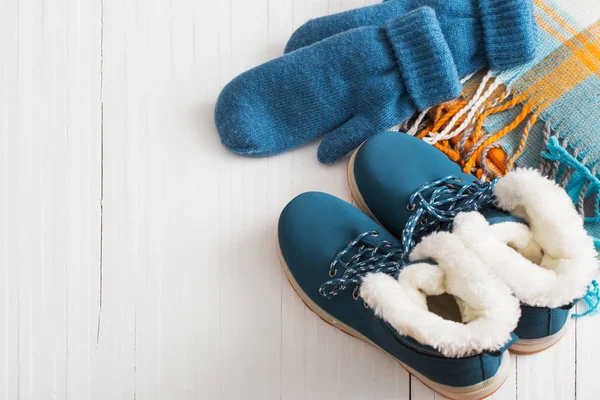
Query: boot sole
x=521 y=346
x=532 y=346
x=475 y=392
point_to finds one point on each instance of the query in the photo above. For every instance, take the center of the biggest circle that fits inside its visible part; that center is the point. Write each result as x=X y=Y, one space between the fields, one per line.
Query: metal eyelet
x=355 y=295
x=332 y=273
x=365 y=305
x=411 y=207
x=424 y=221
x=375 y=234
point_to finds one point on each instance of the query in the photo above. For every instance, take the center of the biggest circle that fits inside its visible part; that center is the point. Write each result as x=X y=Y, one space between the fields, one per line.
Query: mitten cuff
x=425 y=60
x=509 y=32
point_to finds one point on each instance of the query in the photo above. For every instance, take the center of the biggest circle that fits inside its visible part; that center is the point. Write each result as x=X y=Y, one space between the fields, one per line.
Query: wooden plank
x=549 y=374
x=50 y=207
x=586 y=329
x=183 y=297
x=508 y=391
x=192 y=284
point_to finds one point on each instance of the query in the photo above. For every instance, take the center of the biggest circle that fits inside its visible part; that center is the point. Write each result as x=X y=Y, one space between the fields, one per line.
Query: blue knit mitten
x=503 y=30
x=349 y=86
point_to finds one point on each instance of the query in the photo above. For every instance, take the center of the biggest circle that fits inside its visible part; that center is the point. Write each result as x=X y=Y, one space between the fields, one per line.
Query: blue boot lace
x=446 y=198
x=368 y=258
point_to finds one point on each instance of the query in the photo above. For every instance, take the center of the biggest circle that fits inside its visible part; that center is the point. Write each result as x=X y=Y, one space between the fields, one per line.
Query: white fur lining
x=489 y=311
x=548 y=264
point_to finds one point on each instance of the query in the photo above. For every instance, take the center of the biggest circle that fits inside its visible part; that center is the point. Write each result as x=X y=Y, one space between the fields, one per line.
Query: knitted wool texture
x=556 y=98
x=503 y=31
x=349 y=86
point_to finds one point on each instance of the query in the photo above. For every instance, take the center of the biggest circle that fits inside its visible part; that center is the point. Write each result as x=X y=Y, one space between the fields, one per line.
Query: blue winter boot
x=526 y=230
x=504 y=31
x=446 y=320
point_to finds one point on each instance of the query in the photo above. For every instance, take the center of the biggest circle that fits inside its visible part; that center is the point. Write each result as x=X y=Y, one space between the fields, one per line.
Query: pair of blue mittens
x=353 y=74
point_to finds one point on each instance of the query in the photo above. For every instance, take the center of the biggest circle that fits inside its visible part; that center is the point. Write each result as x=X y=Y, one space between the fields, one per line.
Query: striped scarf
x=544 y=114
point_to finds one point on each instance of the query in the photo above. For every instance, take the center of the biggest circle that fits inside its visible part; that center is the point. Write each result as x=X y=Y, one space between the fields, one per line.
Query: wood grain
x=50 y=119
x=137 y=255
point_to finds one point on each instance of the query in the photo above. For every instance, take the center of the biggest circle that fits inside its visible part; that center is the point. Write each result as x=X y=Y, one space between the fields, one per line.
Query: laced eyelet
x=332 y=273
x=431 y=207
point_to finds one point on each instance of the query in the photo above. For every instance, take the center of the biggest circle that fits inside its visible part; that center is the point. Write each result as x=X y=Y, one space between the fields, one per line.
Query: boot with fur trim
x=446 y=319
x=533 y=239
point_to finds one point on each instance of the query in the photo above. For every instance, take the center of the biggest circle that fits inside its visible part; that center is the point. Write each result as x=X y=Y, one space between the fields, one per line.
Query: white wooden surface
x=137 y=256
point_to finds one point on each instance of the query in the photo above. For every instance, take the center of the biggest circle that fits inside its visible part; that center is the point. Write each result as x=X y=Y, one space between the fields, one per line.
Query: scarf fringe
x=592 y=299
x=456 y=127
